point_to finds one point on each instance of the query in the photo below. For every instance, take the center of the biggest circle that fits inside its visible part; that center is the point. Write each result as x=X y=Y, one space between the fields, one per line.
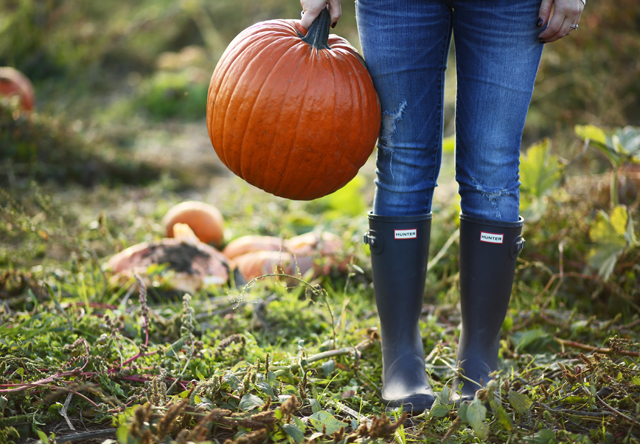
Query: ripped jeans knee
x=481 y=198
x=388 y=126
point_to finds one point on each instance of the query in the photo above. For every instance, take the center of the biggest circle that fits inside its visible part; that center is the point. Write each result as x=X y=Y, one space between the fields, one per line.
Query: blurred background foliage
x=590 y=77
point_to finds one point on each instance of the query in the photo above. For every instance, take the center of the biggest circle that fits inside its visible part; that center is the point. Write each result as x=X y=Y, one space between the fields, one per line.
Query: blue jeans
x=405 y=44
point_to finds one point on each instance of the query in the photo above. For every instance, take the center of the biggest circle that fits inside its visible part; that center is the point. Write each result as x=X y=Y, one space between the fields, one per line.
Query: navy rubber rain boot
x=488 y=253
x=399 y=254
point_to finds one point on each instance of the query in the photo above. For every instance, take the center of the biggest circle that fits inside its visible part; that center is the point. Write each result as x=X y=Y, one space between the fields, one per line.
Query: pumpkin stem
x=318 y=34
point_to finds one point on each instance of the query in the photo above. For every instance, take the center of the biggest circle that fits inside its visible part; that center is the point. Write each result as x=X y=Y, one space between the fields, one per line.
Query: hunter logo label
x=491 y=238
x=405 y=234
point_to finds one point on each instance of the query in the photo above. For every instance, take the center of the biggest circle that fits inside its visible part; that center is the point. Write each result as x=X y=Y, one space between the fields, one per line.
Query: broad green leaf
x=250 y=402
x=299 y=423
x=629 y=139
x=619 y=219
x=519 y=401
x=544 y=436
x=462 y=412
x=294 y=432
x=267 y=389
x=43 y=436
x=591 y=132
x=232 y=380
x=504 y=420
x=580 y=326
x=540 y=172
x=609 y=237
x=328 y=367
x=323 y=419
x=601 y=140
x=174 y=348
x=476 y=414
x=507 y=324
x=439 y=411
x=315 y=405
x=537 y=340
x=122 y=434
x=444 y=396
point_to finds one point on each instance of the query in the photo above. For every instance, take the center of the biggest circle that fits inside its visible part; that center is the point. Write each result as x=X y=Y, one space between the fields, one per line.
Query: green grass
x=228 y=365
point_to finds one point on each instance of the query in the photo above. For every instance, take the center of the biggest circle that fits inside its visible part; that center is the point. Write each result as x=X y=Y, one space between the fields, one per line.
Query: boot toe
x=478 y=372
x=414 y=404
x=406 y=385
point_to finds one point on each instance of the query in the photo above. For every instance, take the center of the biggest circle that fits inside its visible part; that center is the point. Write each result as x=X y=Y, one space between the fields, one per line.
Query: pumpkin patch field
x=165 y=278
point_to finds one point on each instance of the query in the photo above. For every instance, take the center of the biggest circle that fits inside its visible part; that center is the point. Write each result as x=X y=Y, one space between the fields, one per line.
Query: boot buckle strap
x=374 y=240
x=517 y=246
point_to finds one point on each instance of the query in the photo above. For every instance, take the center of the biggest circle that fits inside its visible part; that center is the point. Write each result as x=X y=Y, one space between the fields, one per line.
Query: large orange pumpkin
x=294 y=115
x=14 y=83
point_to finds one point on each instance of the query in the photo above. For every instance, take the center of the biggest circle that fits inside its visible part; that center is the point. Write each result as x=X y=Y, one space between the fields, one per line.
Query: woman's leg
x=497 y=53
x=497 y=57
x=405 y=44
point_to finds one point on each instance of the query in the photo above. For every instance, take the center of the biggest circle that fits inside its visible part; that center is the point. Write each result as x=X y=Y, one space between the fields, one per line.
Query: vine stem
x=617 y=412
x=590 y=348
x=15 y=388
x=280 y=370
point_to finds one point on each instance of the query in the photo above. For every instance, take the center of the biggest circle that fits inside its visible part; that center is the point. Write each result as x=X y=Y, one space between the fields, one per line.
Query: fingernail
x=333 y=25
x=541 y=40
x=540 y=22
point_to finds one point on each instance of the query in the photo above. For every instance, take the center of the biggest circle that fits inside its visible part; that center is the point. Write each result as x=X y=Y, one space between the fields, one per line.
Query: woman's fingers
x=565 y=18
x=312 y=9
x=545 y=11
x=558 y=28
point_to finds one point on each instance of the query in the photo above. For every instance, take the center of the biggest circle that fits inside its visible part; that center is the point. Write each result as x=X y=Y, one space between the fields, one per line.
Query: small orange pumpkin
x=247 y=244
x=205 y=220
x=258 y=263
x=259 y=255
x=14 y=83
x=295 y=115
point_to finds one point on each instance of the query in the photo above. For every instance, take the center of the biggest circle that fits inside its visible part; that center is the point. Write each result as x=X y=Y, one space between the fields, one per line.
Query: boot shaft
x=399 y=256
x=488 y=253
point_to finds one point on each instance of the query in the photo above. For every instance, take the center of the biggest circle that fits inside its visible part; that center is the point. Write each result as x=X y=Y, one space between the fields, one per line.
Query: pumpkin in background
x=205 y=221
x=247 y=244
x=294 y=115
x=327 y=248
x=259 y=255
x=258 y=263
x=14 y=83
x=191 y=264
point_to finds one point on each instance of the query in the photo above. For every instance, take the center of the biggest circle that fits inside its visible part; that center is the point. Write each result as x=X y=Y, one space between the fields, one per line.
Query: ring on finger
x=573 y=26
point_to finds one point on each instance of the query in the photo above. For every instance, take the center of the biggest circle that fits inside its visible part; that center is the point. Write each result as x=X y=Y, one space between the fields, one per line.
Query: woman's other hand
x=312 y=8
x=565 y=18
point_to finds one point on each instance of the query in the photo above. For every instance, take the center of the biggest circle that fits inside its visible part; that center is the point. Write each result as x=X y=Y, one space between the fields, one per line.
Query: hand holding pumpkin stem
x=312 y=9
